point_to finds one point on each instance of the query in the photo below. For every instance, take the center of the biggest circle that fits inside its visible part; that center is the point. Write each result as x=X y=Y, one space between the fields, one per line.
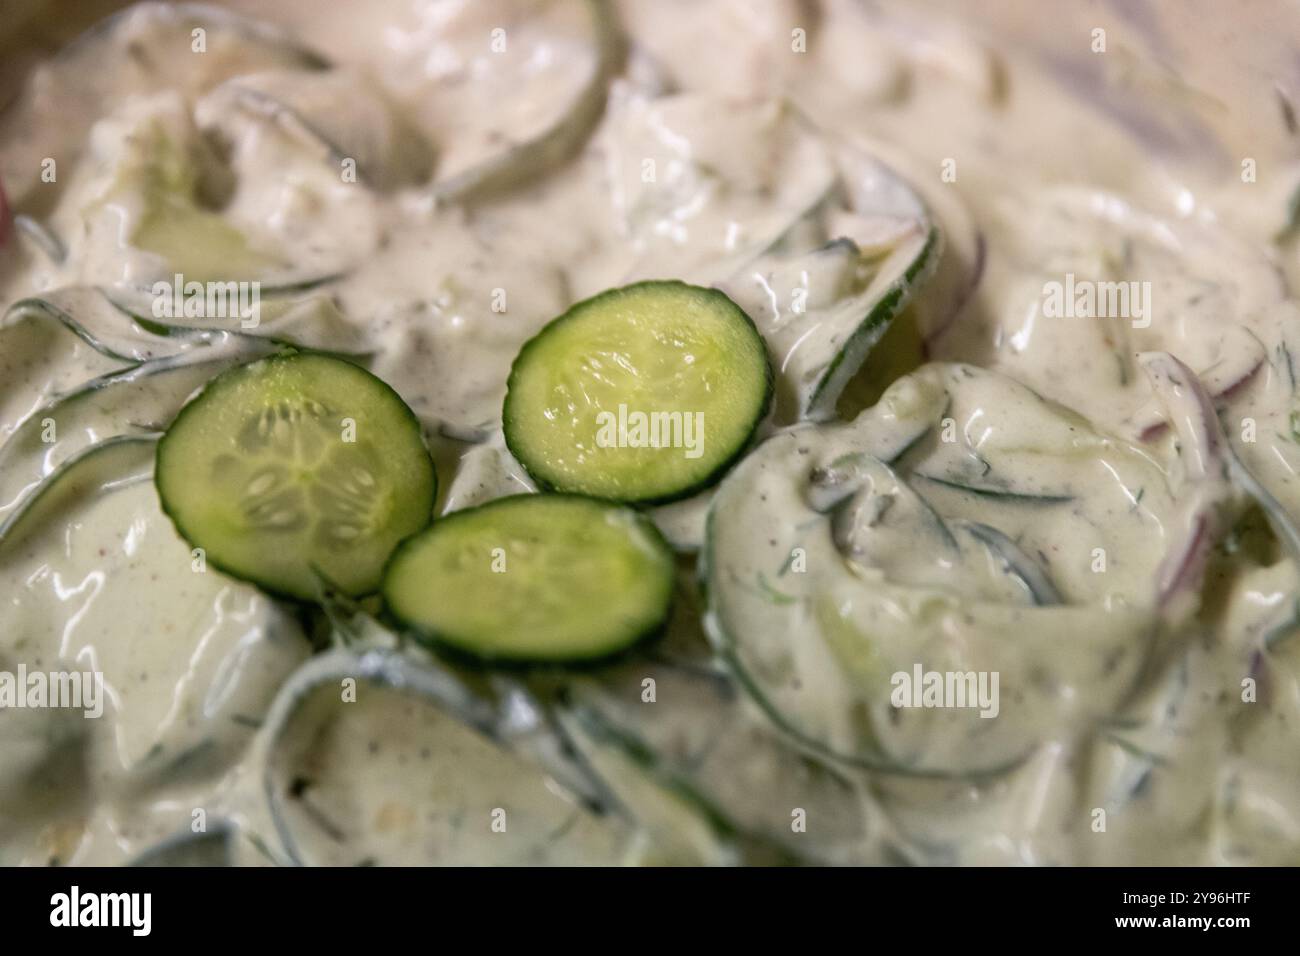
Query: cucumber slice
x=1015 y=562
x=1233 y=293
x=642 y=394
x=97 y=518
x=44 y=352
x=826 y=294
x=572 y=48
x=112 y=463
x=995 y=492
x=878 y=578
x=126 y=55
x=301 y=317
x=297 y=468
x=138 y=399
x=160 y=165
x=215 y=847
x=89 y=314
x=416 y=728
x=534 y=579
x=669 y=154
x=853 y=328
x=682 y=825
x=698 y=740
x=335 y=114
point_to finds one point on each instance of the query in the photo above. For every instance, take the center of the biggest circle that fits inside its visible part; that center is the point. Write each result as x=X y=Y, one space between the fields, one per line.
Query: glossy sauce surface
x=1035 y=158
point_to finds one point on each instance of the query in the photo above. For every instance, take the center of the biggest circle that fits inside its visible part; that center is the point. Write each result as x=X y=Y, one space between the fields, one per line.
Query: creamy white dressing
x=501 y=177
x=404 y=783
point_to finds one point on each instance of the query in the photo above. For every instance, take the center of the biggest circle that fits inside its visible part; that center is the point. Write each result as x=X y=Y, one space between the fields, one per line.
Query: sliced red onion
x=1223 y=381
x=1204 y=452
x=1211 y=462
x=1190 y=409
x=1181 y=571
x=6 y=219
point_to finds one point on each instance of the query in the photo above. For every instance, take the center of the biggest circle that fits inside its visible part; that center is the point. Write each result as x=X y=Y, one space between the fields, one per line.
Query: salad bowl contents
x=590 y=432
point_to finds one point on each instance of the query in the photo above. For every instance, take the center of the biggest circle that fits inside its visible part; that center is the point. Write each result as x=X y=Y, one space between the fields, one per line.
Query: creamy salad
x=1004 y=564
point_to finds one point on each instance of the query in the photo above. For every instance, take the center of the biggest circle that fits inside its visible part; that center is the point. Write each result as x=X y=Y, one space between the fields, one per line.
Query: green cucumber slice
x=89 y=314
x=534 y=579
x=682 y=826
x=215 y=847
x=97 y=517
x=44 y=352
x=995 y=492
x=297 y=468
x=1233 y=294
x=537 y=137
x=834 y=579
x=138 y=399
x=335 y=114
x=416 y=727
x=113 y=463
x=698 y=740
x=97 y=71
x=163 y=167
x=1014 y=560
x=667 y=154
x=854 y=327
x=298 y=316
x=642 y=394
x=826 y=294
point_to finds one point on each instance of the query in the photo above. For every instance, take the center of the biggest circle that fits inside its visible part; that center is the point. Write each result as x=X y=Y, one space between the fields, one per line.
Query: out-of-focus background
x=1233 y=62
x=1206 y=83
